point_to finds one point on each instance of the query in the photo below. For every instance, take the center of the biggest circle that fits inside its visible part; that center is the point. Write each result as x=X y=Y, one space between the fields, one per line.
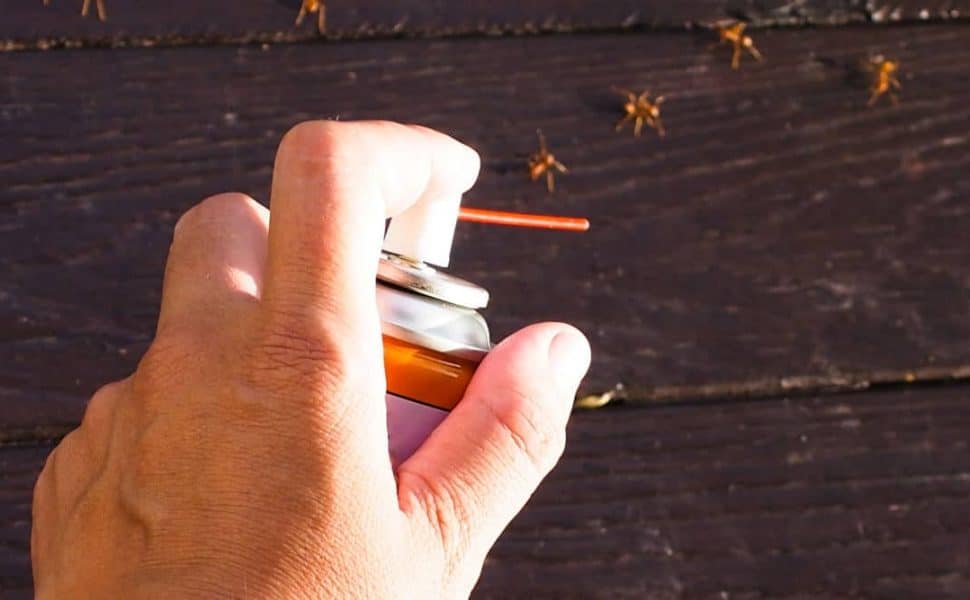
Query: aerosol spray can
x=434 y=338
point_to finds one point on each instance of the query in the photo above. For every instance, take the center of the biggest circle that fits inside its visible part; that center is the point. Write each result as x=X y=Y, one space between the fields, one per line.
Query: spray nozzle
x=424 y=232
x=513 y=219
x=422 y=235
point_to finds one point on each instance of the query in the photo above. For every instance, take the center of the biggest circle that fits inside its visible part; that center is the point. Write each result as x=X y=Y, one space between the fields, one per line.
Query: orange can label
x=422 y=386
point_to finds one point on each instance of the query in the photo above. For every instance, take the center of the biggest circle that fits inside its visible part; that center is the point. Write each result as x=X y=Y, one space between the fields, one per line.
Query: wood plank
x=19 y=468
x=864 y=495
x=29 y=24
x=779 y=230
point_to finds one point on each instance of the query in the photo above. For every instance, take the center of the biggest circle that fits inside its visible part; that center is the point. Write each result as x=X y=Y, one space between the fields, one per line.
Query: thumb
x=479 y=467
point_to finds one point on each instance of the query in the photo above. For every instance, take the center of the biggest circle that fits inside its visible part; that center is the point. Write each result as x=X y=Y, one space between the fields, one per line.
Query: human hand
x=247 y=456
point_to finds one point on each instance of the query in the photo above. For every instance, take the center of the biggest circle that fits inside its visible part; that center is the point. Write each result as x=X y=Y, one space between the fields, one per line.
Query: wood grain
x=19 y=468
x=780 y=230
x=863 y=496
x=29 y=24
x=846 y=496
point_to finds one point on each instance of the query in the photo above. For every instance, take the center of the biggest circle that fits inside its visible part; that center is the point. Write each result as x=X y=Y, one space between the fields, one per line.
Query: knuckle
x=43 y=487
x=213 y=213
x=331 y=146
x=61 y=466
x=166 y=361
x=100 y=407
x=311 y=139
x=287 y=360
x=524 y=427
x=443 y=508
x=290 y=355
x=43 y=512
x=89 y=442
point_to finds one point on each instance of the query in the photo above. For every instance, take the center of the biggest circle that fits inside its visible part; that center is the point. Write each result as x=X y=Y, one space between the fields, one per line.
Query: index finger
x=334 y=185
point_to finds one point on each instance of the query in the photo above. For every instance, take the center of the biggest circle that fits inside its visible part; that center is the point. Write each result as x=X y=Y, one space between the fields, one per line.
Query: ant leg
x=894 y=99
x=560 y=167
x=638 y=126
x=542 y=142
x=624 y=92
x=755 y=52
x=736 y=58
x=299 y=17
x=550 y=182
x=658 y=124
x=873 y=98
x=322 y=19
x=85 y=7
x=102 y=13
x=622 y=122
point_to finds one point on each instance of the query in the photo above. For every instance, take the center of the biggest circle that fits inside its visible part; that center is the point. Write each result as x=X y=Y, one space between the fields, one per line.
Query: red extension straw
x=512 y=219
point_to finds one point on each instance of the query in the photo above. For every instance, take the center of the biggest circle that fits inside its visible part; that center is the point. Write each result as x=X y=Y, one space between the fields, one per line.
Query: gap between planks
x=395 y=33
x=761 y=390
x=776 y=387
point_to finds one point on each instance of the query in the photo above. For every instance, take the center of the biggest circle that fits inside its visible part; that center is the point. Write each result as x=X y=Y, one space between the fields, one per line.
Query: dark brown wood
x=28 y=24
x=19 y=468
x=847 y=496
x=864 y=495
x=780 y=230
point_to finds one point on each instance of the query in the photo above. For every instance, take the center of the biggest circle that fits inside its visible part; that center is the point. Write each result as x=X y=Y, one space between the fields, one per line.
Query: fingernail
x=569 y=357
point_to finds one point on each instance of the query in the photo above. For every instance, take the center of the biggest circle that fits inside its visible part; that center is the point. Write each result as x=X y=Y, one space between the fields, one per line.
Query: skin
x=247 y=454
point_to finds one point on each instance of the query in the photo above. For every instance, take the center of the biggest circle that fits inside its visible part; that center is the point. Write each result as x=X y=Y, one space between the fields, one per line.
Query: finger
x=334 y=184
x=216 y=263
x=81 y=453
x=479 y=467
x=68 y=470
x=43 y=522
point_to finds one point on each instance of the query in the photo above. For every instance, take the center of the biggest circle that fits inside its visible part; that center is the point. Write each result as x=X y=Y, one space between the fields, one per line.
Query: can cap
x=428 y=281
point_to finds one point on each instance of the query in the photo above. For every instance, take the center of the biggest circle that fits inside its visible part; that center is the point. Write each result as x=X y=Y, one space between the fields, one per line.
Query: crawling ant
x=314 y=6
x=884 y=80
x=640 y=109
x=733 y=33
x=543 y=162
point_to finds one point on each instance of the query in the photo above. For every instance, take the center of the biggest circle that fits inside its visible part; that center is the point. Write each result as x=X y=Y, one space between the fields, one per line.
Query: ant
x=640 y=109
x=544 y=162
x=884 y=79
x=314 y=6
x=733 y=33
